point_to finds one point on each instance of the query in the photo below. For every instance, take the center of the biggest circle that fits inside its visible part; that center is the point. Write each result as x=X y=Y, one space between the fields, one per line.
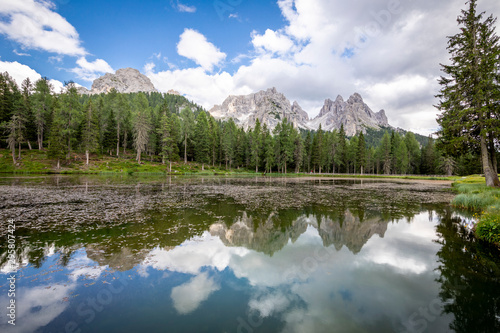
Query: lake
x=258 y=254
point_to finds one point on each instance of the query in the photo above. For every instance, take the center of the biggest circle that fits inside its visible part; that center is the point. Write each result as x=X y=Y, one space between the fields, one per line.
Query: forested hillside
x=167 y=128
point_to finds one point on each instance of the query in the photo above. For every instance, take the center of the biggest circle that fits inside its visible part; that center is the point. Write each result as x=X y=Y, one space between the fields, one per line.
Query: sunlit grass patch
x=471 y=201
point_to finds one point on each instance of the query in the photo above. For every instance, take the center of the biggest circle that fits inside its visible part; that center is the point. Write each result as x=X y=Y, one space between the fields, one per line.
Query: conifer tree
x=342 y=148
x=229 y=142
x=15 y=129
x=214 y=130
x=90 y=133
x=470 y=89
x=361 y=152
x=70 y=112
x=385 y=153
x=202 y=140
x=168 y=141
x=27 y=111
x=42 y=104
x=57 y=146
x=269 y=152
x=256 y=145
x=109 y=140
x=307 y=152
x=187 y=127
x=298 y=153
x=141 y=133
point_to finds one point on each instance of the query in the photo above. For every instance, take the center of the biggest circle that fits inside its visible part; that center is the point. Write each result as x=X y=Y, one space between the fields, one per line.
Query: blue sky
x=387 y=50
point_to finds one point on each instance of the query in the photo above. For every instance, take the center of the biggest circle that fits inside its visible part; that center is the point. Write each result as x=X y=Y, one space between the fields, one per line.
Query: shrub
x=488 y=227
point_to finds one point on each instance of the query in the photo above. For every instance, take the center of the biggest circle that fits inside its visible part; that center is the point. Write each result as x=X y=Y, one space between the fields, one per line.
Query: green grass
x=489 y=226
x=474 y=195
x=35 y=161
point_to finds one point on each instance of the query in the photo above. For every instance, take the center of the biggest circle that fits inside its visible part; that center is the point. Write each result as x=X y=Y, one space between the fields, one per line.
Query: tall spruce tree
x=361 y=152
x=71 y=112
x=187 y=127
x=42 y=108
x=109 y=135
x=57 y=147
x=168 y=139
x=202 y=140
x=90 y=132
x=470 y=88
x=256 y=145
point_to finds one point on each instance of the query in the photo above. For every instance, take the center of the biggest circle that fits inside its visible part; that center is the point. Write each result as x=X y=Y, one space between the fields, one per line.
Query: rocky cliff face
x=354 y=114
x=269 y=106
x=125 y=80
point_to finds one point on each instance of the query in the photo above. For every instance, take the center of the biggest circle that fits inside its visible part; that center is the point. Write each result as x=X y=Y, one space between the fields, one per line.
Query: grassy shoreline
x=474 y=195
x=36 y=162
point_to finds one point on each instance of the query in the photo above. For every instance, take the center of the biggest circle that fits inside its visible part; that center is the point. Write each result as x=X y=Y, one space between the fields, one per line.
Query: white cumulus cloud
x=89 y=71
x=35 y=25
x=272 y=41
x=195 y=46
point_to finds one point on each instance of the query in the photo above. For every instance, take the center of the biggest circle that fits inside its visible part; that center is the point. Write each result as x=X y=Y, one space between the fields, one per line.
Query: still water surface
x=151 y=254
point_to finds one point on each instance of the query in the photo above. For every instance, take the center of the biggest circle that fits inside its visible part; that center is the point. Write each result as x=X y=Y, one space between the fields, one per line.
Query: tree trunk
x=19 y=150
x=361 y=170
x=138 y=157
x=256 y=168
x=169 y=166
x=87 y=155
x=14 y=154
x=118 y=140
x=69 y=148
x=493 y=156
x=202 y=166
x=185 y=148
x=490 y=175
x=58 y=164
x=29 y=144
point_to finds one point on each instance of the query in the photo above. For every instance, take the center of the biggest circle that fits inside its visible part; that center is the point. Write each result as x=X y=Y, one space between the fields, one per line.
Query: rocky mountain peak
x=124 y=80
x=355 y=98
x=269 y=106
x=354 y=114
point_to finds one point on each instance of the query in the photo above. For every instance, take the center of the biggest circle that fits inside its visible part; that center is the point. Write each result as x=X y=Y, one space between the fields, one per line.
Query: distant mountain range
x=269 y=106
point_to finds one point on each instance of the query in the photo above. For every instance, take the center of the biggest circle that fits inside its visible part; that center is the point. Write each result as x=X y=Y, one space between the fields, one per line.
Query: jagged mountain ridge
x=270 y=107
x=354 y=114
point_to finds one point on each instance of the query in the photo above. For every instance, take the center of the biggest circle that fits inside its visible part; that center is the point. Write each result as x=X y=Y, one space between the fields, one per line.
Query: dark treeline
x=168 y=128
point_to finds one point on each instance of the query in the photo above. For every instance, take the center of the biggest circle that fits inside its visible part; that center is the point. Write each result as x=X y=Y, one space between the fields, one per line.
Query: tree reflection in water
x=469 y=277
